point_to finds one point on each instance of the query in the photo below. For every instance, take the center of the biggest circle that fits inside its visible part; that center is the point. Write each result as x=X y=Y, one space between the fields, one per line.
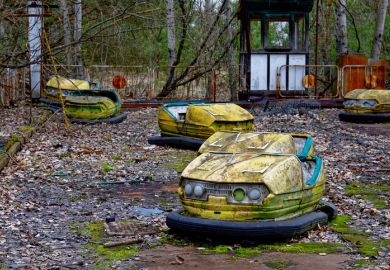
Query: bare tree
x=380 y=25
x=170 y=9
x=232 y=84
x=67 y=31
x=341 y=28
x=77 y=6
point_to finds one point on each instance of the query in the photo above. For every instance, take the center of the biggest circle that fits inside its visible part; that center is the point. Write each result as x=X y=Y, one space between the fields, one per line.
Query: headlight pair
x=369 y=103
x=234 y=193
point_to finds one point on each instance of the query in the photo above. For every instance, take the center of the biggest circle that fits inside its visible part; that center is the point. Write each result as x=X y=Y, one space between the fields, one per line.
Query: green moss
x=183 y=160
x=126 y=149
x=280 y=247
x=26 y=129
x=11 y=140
x=107 y=256
x=384 y=188
x=370 y=193
x=278 y=264
x=116 y=157
x=305 y=247
x=106 y=167
x=359 y=239
x=175 y=240
x=362 y=263
x=220 y=249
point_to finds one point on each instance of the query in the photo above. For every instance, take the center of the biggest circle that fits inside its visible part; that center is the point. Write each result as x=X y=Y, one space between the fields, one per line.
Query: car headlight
x=188 y=189
x=52 y=91
x=234 y=193
x=350 y=103
x=198 y=190
x=368 y=103
x=239 y=194
x=254 y=194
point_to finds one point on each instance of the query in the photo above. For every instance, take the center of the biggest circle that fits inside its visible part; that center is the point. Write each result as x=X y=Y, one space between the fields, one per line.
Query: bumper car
x=187 y=125
x=84 y=102
x=251 y=195
x=366 y=105
x=256 y=142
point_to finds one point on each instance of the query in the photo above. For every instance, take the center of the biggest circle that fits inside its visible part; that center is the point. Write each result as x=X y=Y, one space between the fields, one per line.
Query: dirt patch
x=176 y=258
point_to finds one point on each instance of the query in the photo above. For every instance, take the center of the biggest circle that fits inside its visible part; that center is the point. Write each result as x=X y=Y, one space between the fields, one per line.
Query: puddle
x=147 y=212
x=2 y=144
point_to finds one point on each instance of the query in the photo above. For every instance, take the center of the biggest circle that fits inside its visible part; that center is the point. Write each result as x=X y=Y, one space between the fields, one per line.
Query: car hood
x=280 y=173
x=206 y=114
x=234 y=142
x=68 y=84
x=381 y=96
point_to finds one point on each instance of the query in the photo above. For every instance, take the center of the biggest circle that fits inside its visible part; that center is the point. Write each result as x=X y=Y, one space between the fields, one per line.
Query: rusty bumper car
x=187 y=125
x=251 y=195
x=366 y=105
x=85 y=102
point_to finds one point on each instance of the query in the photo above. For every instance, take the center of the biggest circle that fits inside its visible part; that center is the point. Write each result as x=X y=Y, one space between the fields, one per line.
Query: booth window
x=255 y=31
x=278 y=35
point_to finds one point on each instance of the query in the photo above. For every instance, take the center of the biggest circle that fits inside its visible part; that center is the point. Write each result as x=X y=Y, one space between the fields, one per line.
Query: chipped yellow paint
x=236 y=142
x=203 y=120
x=381 y=96
x=68 y=84
x=90 y=107
x=289 y=196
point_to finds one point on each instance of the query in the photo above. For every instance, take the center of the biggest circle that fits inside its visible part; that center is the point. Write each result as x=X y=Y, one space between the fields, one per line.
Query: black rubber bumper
x=254 y=229
x=176 y=142
x=365 y=117
x=111 y=120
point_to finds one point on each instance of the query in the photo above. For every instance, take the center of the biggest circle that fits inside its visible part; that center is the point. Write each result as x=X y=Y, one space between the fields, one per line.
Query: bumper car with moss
x=187 y=125
x=251 y=195
x=84 y=102
x=259 y=142
x=366 y=105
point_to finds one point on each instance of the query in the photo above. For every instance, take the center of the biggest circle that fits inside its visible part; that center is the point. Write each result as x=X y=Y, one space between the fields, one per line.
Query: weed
x=278 y=264
x=106 y=167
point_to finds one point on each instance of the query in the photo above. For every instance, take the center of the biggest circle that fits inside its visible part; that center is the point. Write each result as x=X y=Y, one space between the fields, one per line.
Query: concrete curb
x=6 y=156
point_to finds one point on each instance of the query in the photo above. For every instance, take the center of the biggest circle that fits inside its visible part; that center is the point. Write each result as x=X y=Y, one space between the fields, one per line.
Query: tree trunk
x=171 y=31
x=208 y=14
x=67 y=32
x=232 y=83
x=77 y=6
x=341 y=28
x=380 y=25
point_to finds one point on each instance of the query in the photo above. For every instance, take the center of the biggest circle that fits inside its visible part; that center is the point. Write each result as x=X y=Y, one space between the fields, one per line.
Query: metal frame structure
x=262 y=64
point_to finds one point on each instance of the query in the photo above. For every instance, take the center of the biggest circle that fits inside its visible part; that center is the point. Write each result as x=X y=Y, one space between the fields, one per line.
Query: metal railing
x=362 y=77
x=146 y=83
x=308 y=81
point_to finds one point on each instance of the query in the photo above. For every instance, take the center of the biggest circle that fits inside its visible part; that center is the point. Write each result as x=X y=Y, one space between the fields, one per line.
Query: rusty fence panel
x=308 y=81
x=145 y=83
x=362 y=77
x=12 y=86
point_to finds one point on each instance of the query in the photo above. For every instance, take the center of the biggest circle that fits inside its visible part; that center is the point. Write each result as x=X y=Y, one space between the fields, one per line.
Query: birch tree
x=380 y=25
x=67 y=31
x=170 y=9
x=77 y=6
x=341 y=28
